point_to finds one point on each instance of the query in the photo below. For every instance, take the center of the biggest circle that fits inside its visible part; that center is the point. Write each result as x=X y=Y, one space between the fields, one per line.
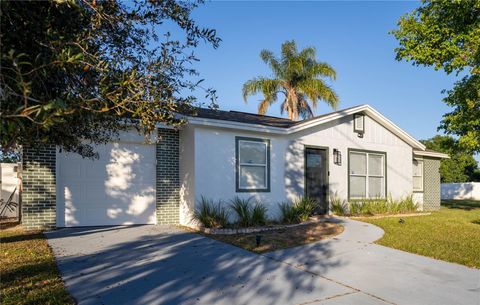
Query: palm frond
x=316 y=89
x=299 y=76
x=308 y=53
x=269 y=58
x=269 y=87
x=322 y=69
x=304 y=109
x=289 y=50
x=264 y=105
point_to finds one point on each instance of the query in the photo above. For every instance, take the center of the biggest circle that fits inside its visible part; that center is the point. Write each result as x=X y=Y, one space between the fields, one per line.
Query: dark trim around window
x=237 y=166
x=348 y=170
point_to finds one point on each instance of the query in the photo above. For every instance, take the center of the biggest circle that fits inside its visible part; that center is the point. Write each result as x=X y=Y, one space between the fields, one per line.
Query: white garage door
x=116 y=189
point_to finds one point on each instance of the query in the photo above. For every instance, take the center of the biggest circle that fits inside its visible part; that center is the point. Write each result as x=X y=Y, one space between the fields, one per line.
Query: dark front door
x=316 y=169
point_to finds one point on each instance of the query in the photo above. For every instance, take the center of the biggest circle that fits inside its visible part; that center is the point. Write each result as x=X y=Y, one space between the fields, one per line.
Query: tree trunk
x=292 y=104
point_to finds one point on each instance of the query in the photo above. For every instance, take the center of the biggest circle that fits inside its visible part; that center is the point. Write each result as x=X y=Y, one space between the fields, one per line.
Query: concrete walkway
x=163 y=265
x=394 y=276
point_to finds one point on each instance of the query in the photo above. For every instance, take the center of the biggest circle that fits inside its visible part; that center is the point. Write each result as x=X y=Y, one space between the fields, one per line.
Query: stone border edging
x=233 y=231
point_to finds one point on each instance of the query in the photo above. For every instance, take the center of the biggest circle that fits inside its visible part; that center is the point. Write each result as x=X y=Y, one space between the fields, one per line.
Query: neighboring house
x=354 y=153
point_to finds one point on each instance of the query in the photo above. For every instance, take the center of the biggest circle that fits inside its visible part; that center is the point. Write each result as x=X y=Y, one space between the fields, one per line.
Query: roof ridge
x=279 y=117
x=262 y=115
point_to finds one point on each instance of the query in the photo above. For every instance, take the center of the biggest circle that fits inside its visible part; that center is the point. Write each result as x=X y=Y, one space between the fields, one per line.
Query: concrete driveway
x=163 y=265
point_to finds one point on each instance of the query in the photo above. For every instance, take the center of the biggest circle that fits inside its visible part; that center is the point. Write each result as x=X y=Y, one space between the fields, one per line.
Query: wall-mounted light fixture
x=359 y=124
x=337 y=157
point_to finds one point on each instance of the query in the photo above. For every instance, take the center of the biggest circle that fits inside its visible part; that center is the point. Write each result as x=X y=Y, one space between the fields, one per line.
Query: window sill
x=252 y=190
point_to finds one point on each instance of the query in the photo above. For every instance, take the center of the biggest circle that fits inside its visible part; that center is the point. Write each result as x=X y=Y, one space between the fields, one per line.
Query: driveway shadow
x=152 y=265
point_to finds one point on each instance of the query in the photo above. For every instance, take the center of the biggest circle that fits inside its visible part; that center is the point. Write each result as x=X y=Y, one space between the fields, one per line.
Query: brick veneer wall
x=431 y=188
x=168 y=176
x=38 y=184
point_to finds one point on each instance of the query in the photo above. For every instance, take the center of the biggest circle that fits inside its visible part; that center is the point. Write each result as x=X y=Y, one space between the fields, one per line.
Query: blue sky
x=351 y=36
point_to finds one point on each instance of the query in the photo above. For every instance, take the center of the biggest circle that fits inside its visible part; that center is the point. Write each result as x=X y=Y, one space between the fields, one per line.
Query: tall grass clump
x=354 y=208
x=259 y=214
x=247 y=213
x=338 y=206
x=297 y=211
x=242 y=210
x=408 y=205
x=304 y=207
x=379 y=206
x=211 y=214
x=288 y=213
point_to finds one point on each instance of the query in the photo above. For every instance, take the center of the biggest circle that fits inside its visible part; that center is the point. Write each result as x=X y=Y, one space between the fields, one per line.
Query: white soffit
x=435 y=154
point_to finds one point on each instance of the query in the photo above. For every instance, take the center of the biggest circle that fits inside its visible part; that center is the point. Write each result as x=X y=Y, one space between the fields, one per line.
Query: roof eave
x=236 y=125
x=434 y=154
x=311 y=123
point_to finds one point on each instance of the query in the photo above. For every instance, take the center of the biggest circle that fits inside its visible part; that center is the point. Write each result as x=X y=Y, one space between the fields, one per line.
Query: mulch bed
x=281 y=238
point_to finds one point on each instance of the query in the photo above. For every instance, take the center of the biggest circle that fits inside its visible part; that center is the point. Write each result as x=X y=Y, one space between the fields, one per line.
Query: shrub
x=382 y=206
x=211 y=214
x=259 y=214
x=304 y=208
x=339 y=207
x=408 y=205
x=373 y=207
x=355 y=208
x=298 y=211
x=243 y=210
x=288 y=213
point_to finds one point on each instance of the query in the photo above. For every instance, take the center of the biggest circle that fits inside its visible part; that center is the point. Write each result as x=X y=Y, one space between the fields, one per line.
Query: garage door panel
x=118 y=188
x=72 y=169
x=95 y=171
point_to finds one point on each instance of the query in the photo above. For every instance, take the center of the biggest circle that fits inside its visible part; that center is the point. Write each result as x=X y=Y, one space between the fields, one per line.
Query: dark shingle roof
x=243 y=117
x=251 y=118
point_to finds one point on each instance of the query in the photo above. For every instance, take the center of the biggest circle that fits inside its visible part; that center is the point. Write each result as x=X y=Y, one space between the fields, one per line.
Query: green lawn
x=28 y=271
x=451 y=234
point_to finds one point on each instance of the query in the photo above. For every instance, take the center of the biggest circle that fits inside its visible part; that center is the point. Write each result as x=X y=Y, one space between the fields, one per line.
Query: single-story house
x=354 y=153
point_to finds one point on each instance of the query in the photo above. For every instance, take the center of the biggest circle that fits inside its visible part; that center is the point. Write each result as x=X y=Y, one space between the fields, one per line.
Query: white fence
x=9 y=183
x=467 y=190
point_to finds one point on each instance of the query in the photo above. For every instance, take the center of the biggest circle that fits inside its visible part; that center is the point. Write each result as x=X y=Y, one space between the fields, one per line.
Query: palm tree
x=297 y=75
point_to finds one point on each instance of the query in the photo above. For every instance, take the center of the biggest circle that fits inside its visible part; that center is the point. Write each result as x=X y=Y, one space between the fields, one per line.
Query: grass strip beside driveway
x=451 y=234
x=29 y=274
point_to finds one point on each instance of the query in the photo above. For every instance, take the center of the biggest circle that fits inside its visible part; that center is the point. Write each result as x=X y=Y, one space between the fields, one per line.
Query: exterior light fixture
x=337 y=157
x=359 y=124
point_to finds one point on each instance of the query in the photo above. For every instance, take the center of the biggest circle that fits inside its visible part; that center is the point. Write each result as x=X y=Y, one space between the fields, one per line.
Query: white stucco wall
x=339 y=134
x=418 y=198
x=213 y=167
x=187 y=174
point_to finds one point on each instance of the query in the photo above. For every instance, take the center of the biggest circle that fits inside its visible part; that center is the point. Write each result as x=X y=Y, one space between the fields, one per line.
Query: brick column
x=168 y=177
x=38 y=184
